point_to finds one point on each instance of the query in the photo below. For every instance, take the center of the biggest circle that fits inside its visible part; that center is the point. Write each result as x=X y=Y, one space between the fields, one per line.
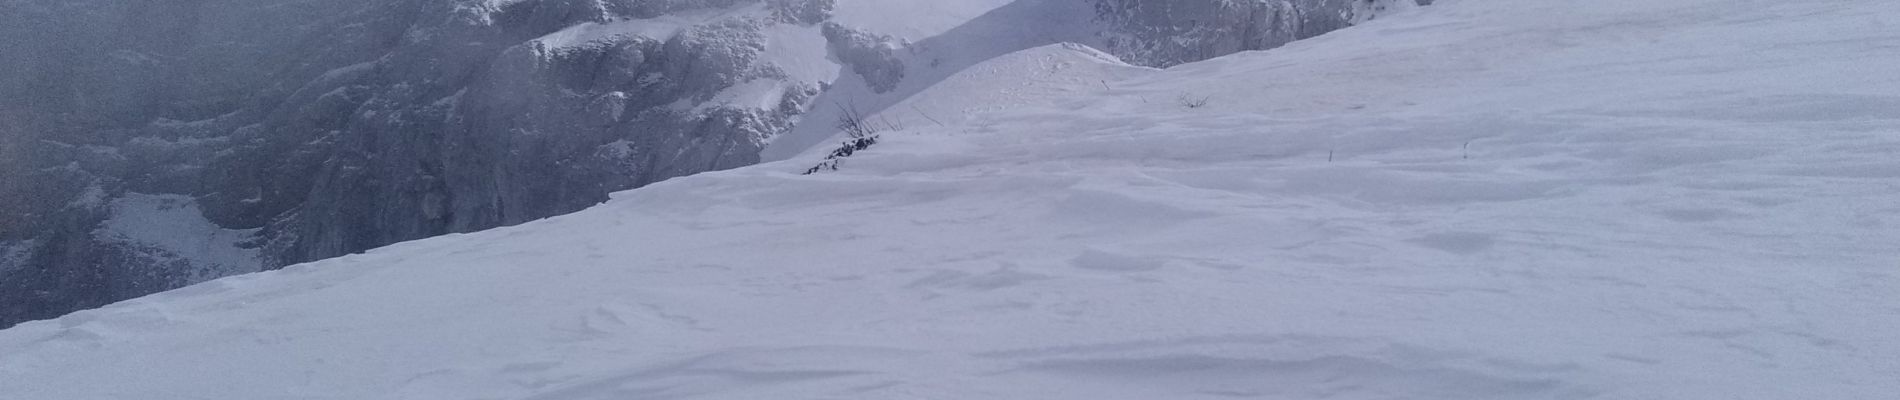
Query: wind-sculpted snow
x=1534 y=199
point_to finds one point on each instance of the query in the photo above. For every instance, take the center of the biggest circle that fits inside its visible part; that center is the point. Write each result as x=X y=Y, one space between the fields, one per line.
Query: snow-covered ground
x=1483 y=199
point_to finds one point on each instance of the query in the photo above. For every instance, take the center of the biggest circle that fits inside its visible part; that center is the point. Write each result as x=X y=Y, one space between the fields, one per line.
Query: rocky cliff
x=1165 y=33
x=147 y=145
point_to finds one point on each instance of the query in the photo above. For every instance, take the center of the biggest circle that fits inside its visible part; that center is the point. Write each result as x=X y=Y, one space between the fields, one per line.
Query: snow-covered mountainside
x=300 y=130
x=1483 y=199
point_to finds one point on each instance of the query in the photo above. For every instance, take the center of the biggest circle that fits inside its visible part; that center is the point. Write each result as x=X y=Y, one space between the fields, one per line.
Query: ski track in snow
x=1618 y=199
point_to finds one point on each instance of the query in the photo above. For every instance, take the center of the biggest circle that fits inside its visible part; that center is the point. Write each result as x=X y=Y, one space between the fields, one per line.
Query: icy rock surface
x=323 y=128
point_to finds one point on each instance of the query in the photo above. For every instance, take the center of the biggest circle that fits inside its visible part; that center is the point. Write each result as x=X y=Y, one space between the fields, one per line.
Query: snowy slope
x=914 y=20
x=998 y=30
x=1485 y=199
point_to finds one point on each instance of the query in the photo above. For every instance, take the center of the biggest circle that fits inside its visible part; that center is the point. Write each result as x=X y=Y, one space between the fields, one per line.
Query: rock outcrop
x=1166 y=33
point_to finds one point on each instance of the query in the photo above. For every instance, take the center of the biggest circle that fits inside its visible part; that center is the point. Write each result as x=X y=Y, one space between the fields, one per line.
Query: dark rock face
x=1167 y=33
x=96 y=98
x=322 y=128
x=151 y=144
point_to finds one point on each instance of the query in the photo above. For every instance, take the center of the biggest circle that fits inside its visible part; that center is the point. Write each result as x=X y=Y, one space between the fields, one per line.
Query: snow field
x=1620 y=199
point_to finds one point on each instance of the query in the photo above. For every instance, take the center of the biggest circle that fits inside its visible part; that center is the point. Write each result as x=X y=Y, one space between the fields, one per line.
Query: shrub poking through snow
x=1191 y=101
x=863 y=134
